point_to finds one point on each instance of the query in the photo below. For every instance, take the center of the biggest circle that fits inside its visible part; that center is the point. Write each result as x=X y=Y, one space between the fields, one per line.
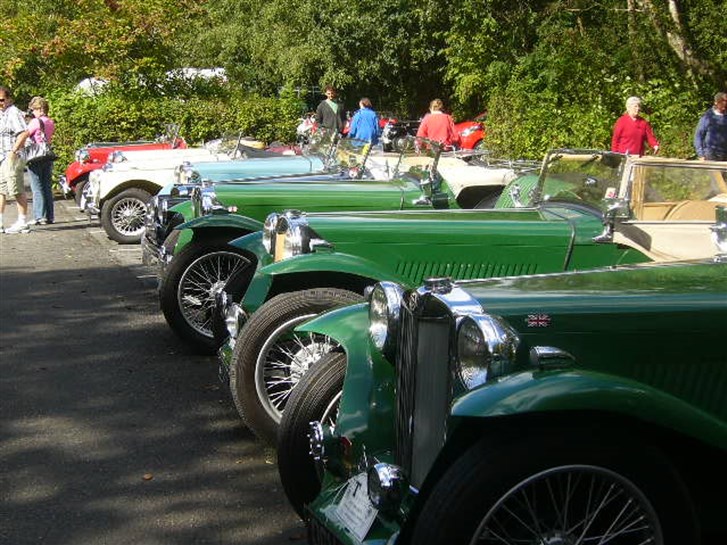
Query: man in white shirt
x=12 y=165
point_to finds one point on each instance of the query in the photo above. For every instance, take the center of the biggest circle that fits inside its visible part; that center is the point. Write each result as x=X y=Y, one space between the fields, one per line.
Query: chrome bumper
x=150 y=253
x=63 y=181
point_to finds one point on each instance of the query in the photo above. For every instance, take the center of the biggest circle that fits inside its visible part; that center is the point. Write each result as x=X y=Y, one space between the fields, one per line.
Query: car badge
x=538 y=320
x=413 y=300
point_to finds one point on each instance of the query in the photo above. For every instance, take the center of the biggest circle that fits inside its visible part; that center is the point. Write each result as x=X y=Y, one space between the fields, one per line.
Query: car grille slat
x=405 y=386
x=423 y=391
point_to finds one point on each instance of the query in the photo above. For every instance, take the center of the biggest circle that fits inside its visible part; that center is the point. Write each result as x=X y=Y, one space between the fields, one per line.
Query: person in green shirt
x=330 y=114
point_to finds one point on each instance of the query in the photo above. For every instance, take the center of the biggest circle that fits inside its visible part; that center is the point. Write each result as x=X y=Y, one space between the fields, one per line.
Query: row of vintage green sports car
x=561 y=401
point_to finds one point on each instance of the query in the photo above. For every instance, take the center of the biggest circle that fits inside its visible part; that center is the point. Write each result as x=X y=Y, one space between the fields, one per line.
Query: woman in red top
x=438 y=126
x=631 y=131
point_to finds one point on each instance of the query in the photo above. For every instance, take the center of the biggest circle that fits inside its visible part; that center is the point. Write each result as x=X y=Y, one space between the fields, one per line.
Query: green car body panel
x=644 y=344
x=223 y=220
x=254 y=201
x=410 y=246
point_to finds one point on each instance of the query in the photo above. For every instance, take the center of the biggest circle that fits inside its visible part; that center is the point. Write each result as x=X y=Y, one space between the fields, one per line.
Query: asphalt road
x=111 y=431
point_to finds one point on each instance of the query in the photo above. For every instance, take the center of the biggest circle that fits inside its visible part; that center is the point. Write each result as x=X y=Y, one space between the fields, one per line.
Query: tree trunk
x=677 y=39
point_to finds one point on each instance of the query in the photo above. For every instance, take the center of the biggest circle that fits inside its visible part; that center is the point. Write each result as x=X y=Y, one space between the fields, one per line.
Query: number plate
x=355 y=510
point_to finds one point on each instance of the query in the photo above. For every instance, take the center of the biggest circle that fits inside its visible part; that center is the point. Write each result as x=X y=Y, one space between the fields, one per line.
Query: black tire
x=270 y=358
x=78 y=189
x=122 y=216
x=316 y=397
x=188 y=288
x=518 y=487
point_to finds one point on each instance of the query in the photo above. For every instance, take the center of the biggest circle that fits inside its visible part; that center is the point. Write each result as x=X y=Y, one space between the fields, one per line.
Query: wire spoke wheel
x=571 y=505
x=285 y=357
x=200 y=282
x=127 y=217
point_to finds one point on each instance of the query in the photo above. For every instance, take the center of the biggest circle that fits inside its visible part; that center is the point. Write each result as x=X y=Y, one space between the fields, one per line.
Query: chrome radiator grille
x=423 y=389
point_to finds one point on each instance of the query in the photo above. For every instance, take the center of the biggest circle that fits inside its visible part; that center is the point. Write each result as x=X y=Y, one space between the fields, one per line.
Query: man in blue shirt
x=710 y=138
x=365 y=123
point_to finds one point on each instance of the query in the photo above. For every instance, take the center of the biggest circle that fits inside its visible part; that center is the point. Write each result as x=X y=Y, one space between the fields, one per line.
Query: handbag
x=40 y=151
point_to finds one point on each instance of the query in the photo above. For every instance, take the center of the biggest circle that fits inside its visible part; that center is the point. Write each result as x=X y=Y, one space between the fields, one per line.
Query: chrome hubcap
x=200 y=284
x=283 y=360
x=128 y=217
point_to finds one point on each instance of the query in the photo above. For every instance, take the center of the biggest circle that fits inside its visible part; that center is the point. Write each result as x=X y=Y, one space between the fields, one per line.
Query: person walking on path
x=365 y=123
x=12 y=165
x=438 y=126
x=710 y=138
x=40 y=128
x=631 y=131
x=330 y=114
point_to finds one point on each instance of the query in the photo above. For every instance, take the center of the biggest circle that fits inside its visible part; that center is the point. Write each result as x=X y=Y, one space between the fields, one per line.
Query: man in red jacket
x=632 y=131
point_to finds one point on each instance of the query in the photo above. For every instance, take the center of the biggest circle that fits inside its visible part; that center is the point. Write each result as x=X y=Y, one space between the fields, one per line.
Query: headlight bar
x=485 y=349
x=288 y=234
x=384 y=309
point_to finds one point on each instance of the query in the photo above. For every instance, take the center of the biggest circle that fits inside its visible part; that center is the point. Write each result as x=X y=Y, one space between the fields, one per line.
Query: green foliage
x=112 y=117
x=550 y=72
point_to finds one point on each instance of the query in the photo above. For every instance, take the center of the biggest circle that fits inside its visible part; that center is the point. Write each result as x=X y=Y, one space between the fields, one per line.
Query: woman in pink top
x=631 y=131
x=438 y=126
x=41 y=172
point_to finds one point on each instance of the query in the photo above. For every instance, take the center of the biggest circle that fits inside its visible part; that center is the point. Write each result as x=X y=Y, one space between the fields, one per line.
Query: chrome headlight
x=161 y=209
x=185 y=173
x=116 y=156
x=83 y=156
x=290 y=235
x=291 y=239
x=205 y=202
x=384 y=306
x=269 y=227
x=486 y=347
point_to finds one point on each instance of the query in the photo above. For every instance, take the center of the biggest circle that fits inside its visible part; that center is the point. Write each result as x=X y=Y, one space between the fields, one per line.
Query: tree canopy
x=550 y=73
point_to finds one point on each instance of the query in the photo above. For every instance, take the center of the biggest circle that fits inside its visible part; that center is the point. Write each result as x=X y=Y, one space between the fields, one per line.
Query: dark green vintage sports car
x=582 y=407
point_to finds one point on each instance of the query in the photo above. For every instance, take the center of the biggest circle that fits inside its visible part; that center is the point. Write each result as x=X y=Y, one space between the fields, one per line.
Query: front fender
x=367 y=408
x=223 y=220
x=113 y=183
x=348 y=325
x=333 y=262
x=77 y=170
x=253 y=243
x=578 y=390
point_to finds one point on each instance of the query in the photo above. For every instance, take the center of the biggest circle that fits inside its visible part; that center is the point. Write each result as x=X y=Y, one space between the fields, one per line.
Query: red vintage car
x=472 y=133
x=93 y=156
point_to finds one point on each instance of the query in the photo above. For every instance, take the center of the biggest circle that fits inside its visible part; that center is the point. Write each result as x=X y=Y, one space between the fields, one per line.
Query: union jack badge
x=538 y=320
